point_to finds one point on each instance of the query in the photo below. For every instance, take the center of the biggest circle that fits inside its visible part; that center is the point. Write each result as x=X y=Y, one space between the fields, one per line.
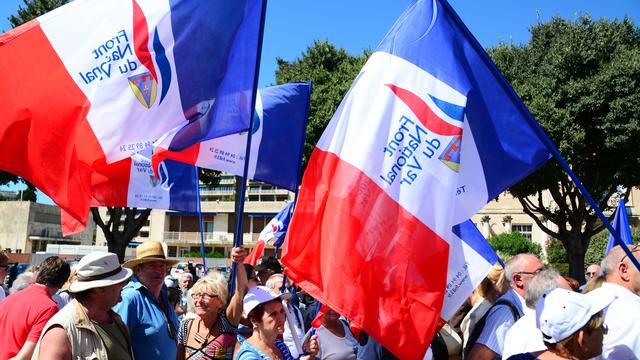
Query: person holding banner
x=264 y=310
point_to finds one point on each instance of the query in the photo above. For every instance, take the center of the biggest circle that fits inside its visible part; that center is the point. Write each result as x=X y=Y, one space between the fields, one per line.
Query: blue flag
x=621 y=225
x=216 y=89
x=278 y=134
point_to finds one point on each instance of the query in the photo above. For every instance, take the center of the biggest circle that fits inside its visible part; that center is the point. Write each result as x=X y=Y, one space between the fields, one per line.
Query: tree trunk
x=576 y=252
x=122 y=226
x=117 y=245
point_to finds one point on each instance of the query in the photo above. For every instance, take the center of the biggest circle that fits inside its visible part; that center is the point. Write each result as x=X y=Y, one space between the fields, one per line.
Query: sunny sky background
x=292 y=25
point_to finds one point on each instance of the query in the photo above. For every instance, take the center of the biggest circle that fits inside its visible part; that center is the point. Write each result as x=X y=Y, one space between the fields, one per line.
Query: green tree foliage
x=598 y=244
x=513 y=243
x=580 y=80
x=331 y=70
x=198 y=254
x=32 y=9
x=556 y=252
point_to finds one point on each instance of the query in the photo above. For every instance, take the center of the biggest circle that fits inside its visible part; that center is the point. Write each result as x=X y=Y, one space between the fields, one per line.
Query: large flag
x=94 y=82
x=276 y=228
x=131 y=182
x=428 y=133
x=621 y=225
x=278 y=133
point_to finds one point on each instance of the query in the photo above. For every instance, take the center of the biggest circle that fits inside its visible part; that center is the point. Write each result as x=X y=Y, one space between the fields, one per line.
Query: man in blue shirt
x=145 y=306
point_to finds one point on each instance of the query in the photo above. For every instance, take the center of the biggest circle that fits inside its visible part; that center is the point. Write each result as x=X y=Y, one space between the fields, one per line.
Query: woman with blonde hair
x=483 y=297
x=211 y=333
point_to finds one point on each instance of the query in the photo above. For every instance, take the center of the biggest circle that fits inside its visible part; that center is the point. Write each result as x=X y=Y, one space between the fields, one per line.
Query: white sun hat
x=99 y=269
x=256 y=296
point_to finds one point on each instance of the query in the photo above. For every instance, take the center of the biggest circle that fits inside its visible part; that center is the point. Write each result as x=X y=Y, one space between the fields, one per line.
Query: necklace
x=198 y=337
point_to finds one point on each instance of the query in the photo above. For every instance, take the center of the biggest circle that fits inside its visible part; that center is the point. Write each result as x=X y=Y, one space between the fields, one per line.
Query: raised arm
x=234 y=310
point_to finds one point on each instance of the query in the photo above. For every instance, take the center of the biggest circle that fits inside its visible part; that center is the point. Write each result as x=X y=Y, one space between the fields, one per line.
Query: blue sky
x=292 y=25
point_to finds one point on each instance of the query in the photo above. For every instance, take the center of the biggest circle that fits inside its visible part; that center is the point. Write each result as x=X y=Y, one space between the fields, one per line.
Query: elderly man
x=145 y=306
x=24 y=314
x=294 y=318
x=508 y=309
x=524 y=336
x=87 y=327
x=622 y=317
x=593 y=270
x=185 y=283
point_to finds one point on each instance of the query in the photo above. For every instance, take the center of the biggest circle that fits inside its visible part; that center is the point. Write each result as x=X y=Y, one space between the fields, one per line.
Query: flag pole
x=199 y=210
x=542 y=135
x=237 y=238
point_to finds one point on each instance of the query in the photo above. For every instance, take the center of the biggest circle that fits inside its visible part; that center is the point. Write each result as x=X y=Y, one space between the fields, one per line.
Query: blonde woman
x=211 y=333
x=484 y=296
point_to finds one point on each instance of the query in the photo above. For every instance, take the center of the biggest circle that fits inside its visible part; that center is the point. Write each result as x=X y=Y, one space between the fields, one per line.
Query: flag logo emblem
x=145 y=88
x=440 y=117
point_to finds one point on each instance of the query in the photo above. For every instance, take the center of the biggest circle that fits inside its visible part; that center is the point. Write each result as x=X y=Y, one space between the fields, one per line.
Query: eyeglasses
x=530 y=273
x=633 y=249
x=204 y=296
x=591 y=274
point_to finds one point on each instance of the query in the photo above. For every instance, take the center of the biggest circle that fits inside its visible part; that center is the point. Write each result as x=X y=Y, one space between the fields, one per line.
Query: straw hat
x=98 y=269
x=147 y=252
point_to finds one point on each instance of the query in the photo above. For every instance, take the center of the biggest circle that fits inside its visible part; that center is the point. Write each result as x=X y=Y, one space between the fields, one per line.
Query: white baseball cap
x=98 y=269
x=561 y=313
x=256 y=296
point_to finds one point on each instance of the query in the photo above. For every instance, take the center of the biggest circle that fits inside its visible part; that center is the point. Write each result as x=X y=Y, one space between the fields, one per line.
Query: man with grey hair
x=508 y=308
x=524 y=336
x=295 y=319
x=186 y=301
x=622 y=278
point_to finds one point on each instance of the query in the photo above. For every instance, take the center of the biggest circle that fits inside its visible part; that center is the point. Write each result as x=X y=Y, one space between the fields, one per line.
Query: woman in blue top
x=265 y=312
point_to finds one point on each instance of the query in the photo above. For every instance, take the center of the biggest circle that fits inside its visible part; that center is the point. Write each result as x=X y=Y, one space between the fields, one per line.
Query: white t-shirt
x=622 y=319
x=523 y=336
x=336 y=348
x=499 y=320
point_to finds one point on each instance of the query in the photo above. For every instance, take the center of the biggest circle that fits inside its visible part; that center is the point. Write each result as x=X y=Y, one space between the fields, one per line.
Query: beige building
x=505 y=214
x=27 y=227
x=180 y=231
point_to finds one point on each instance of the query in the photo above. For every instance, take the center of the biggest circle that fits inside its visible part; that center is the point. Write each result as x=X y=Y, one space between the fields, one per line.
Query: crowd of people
x=100 y=309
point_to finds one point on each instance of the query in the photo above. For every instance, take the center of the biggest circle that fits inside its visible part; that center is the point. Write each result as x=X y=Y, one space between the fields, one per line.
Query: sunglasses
x=591 y=274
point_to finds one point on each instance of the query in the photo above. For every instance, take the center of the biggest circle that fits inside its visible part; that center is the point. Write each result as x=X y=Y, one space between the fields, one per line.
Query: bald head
x=618 y=268
x=520 y=269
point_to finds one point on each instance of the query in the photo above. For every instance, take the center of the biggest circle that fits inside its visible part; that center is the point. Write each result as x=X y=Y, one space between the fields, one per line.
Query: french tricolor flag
x=428 y=133
x=277 y=142
x=94 y=82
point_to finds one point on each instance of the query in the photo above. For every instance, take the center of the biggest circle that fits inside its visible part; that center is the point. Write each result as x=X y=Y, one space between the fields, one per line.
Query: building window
x=172 y=250
x=208 y=227
x=524 y=229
